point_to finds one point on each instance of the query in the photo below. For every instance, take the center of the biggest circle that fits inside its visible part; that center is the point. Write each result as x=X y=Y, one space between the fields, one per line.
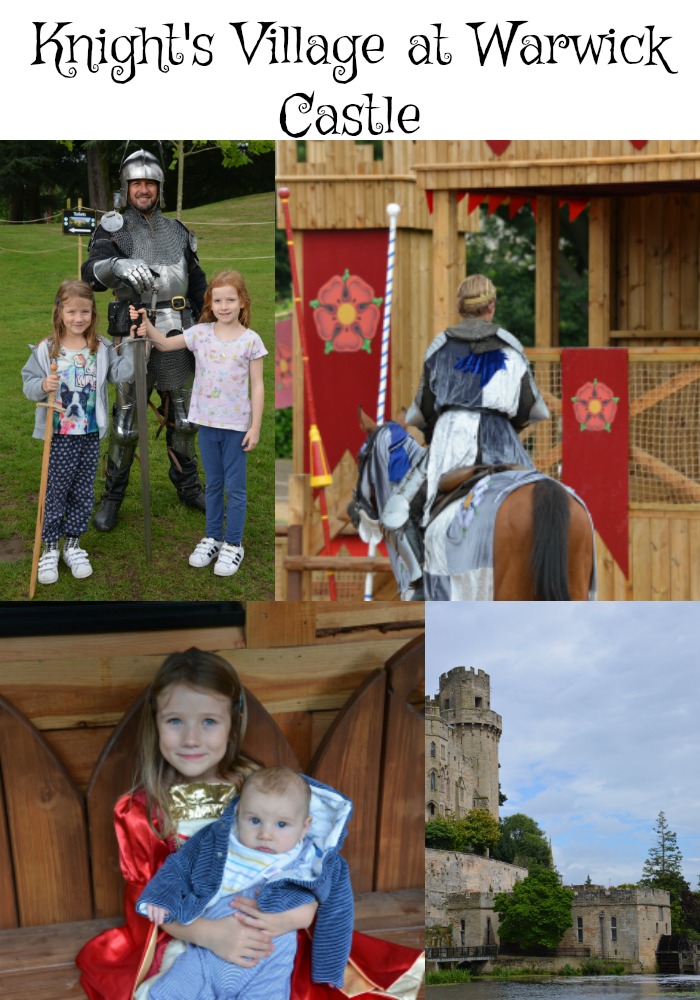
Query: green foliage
x=523 y=843
x=478 y=831
x=599 y=967
x=444 y=833
x=481 y=830
x=663 y=869
x=283 y=272
x=537 y=912
x=570 y=970
x=283 y=433
x=502 y=972
x=504 y=249
x=664 y=858
x=447 y=976
x=38 y=258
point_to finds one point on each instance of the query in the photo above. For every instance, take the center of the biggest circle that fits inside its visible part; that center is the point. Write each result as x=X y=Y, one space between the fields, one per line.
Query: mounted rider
x=148 y=259
x=476 y=392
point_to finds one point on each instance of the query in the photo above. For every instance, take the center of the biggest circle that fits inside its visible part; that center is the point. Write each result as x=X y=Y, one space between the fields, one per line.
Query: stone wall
x=623 y=924
x=459 y=892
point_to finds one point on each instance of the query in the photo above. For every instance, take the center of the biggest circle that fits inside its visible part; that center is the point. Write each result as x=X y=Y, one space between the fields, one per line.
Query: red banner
x=283 y=363
x=343 y=297
x=595 y=441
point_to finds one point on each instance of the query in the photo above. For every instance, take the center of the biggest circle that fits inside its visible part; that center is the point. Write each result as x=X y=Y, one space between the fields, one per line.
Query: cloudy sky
x=601 y=722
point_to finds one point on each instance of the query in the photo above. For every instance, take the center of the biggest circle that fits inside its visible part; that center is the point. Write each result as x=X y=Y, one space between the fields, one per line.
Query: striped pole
x=392 y=211
x=320 y=473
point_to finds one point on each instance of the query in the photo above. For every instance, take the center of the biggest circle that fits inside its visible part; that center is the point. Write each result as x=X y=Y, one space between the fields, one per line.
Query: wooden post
x=298 y=436
x=300 y=512
x=80 y=245
x=600 y=273
x=446 y=258
x=547 y=273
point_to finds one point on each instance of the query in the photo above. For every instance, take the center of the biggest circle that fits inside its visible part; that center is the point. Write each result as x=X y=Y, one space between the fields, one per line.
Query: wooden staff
x=320 y=473
x=51 y=407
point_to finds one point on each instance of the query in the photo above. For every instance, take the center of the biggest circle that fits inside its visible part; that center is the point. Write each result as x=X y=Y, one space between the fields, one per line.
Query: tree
x=504 y=249
x=445 y=833
x=523 y=843
x=537 y=912
x=477 y=832
x=481 y=830
x=663 y=869
x=233 y=154
x=664 y=858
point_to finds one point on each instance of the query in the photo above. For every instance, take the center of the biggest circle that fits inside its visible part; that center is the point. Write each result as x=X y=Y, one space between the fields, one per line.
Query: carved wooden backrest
x=60 y=849
x=43 y=844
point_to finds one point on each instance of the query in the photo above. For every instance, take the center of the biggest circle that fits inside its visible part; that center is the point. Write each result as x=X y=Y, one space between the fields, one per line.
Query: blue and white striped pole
x=392 y=211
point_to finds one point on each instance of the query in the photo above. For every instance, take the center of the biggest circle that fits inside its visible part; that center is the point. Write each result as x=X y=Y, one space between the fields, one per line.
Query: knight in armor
x=476 y=391
x=135 y=253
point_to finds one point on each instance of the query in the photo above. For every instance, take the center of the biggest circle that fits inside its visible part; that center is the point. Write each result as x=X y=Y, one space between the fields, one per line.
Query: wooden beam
x=599 y=273
x=447 y=273
x=547 y=273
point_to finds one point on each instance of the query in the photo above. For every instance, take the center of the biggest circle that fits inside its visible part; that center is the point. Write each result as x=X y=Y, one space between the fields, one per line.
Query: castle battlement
x=461 y=752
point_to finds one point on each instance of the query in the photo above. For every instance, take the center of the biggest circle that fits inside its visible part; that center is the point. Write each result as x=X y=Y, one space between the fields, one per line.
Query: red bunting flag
x=639 y=143
x=495 y=201
x=474 y=201
x=516 y=203
x=498 y=146
x=429 y=199
x=595 y=439
x=576 y=207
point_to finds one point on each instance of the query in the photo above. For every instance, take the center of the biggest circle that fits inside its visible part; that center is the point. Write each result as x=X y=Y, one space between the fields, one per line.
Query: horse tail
x=550 y=548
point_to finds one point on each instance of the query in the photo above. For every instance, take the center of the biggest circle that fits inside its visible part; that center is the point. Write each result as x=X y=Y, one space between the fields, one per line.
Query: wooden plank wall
x=656 y=239
x=302 y=661
x=664 y=562
x=340 y=186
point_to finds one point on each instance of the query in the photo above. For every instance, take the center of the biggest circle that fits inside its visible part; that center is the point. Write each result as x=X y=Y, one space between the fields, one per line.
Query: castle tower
x=462 y=734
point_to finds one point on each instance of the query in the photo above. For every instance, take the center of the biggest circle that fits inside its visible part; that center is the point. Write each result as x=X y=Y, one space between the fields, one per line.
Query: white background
x=460 y=100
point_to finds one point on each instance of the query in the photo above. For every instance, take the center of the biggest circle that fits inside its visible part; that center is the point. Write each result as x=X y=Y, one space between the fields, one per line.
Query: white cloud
x=600 y=721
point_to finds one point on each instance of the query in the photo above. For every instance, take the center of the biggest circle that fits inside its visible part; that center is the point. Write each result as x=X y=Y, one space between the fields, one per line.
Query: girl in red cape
x=190 y=766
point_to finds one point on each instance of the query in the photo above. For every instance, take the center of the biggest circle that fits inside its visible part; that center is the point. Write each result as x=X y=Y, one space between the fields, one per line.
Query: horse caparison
x=542 y=547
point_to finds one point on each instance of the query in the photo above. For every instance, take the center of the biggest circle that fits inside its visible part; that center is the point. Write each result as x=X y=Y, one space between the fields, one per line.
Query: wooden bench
x=59 y=848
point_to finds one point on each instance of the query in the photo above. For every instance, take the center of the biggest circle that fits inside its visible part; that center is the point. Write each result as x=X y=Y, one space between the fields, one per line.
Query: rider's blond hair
x=475 y=295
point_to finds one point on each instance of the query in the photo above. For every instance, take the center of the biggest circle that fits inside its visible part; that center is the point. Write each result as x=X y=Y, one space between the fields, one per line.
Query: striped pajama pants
x=198 y=974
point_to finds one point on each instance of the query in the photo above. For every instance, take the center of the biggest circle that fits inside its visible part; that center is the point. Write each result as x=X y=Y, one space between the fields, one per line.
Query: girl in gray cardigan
x=85 y=363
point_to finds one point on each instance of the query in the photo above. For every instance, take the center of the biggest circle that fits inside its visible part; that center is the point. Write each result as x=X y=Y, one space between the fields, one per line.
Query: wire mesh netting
x=664 y=462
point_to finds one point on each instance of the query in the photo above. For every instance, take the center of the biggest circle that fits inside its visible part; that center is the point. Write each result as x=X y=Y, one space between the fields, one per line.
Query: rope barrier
x=100 y=211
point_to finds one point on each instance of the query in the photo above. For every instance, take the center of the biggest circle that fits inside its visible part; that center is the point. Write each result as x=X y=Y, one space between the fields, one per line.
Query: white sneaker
x=205 y=552
x=230 y=558
x=48 y=566
x=78 y=561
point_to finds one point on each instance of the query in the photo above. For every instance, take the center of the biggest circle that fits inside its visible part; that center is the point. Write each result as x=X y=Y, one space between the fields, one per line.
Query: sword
x=142 y=419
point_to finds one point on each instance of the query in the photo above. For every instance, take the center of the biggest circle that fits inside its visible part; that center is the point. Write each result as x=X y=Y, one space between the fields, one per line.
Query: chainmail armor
x=169 y=369
x=156 y=240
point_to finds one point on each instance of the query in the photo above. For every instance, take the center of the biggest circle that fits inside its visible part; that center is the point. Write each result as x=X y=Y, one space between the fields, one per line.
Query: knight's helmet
x=140 y=165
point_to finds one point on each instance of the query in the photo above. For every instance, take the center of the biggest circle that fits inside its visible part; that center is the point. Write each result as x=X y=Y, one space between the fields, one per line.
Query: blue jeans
x=224 y=464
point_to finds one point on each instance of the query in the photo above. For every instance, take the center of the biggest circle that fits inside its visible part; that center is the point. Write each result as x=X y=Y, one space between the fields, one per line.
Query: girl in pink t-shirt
x=228 y=356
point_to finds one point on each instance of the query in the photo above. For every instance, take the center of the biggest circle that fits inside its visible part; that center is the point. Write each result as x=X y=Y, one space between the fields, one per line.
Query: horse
x=540 y=545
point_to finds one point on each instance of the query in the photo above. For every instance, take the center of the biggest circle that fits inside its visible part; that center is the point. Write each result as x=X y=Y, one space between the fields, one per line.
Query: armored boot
x=185 y=478
x=180 y=437
x=117 y=479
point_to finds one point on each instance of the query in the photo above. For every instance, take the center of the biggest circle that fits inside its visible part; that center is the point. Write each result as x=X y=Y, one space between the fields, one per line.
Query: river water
x=570 y=988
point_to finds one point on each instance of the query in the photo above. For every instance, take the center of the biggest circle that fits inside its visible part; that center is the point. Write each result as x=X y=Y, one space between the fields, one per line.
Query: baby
x=261 y=846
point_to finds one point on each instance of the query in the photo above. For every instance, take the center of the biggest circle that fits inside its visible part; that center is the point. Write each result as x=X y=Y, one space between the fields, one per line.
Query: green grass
x=445 y=976
x=34 y=259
